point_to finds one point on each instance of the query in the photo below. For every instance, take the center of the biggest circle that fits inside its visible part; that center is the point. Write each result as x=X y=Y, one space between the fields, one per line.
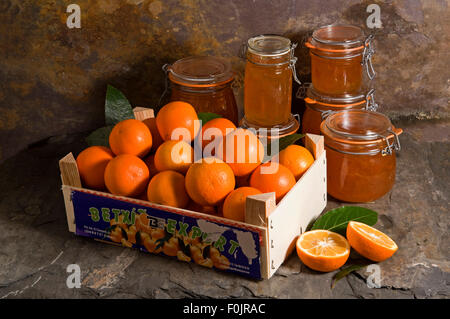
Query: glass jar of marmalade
x=269 y=70
x=319 y=106
x=338 y=55
x=205 y=83
x=361 y=148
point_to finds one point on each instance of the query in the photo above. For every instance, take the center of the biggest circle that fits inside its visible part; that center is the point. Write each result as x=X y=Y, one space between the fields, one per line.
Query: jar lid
x=198 y=71
x=357 y=125
x=269 y=45
x=339 y=35
x=285 y=129
x=335 y=100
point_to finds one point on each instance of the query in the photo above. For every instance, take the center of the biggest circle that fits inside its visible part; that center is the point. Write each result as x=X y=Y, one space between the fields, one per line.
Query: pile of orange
x=154 y=160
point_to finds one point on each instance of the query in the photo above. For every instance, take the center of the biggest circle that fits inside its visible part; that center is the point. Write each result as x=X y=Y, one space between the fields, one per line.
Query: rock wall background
x=53 y=79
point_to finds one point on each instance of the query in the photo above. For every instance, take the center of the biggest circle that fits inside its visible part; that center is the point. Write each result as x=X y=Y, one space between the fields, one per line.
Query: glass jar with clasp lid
x=206 y=83
x=269 y=69
x=319 y=106
x=339 y=53
x=361 y=160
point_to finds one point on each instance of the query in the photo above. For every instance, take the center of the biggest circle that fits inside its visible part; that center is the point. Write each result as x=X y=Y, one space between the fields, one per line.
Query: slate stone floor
x=36 y=246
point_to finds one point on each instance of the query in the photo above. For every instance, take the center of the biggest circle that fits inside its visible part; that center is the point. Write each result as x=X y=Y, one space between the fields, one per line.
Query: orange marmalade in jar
x=338 y=55
x=319 y=106
x=361 y=161
x=205 y=83
x=269 y=70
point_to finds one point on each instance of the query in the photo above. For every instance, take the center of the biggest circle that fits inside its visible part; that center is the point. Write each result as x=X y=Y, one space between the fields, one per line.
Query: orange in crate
x=130 y=137
x=211 y=128
x=177 y=115
x=273 y=177
x=242 y=150
x=297 y=159
x=234 y=205
x=209 y=181
x=167 y=188
x=174 y=155
x=92 y=163
x=126 y=175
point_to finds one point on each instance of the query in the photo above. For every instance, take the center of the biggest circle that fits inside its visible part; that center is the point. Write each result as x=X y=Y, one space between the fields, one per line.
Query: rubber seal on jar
x=388 y=150
x=346 y=57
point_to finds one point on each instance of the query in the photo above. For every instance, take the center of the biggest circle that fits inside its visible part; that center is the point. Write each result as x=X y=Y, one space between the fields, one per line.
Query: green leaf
x=108 y=231
x=117 y=107
x=336 y=220
x=344 y=272
x=184 y=248
x=109 y=228
x=138 y=238
x=160 y=242
x=99 y=137
x=289 y=140
x=124 y=233
x=205 y=117
x=283 y=142
x=207 y=252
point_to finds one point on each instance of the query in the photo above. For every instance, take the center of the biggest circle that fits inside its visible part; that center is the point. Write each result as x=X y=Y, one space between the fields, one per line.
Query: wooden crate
x=255 y=248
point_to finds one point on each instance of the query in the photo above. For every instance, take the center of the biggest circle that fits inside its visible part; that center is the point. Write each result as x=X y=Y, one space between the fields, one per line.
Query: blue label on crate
x=176 y=233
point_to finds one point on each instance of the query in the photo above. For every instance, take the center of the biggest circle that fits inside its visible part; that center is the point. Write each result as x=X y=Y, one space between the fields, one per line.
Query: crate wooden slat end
x=69 y=171
x=143 y=113
x=314 y=144
x=258 y=208
x=70 y=177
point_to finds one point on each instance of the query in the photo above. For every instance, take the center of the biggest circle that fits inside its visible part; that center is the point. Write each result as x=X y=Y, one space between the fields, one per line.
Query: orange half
x=370 y=242
x=323 y=250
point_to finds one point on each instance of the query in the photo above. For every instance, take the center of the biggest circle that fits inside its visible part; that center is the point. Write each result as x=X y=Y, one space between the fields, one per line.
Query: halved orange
x=323 y=250
x=370 y=242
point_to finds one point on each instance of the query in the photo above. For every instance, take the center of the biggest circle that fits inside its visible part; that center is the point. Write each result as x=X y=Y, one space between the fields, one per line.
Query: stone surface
x=53 y=79
x=37 y=247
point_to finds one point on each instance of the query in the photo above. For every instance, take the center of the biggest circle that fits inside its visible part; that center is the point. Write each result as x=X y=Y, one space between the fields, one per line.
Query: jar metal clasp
x=371 y=105
x=394 y=145
x=243 y=50
x=292 y=59
x=303 y=88
x=292 y=62
x=367 y=57
x=165 y=69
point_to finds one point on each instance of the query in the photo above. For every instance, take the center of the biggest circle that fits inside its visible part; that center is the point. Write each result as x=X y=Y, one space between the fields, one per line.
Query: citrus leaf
x=207 y=252
x=336 y=220
x=138 y=238
x=160 y=242
x=99 y=137
x=108 y=231
x=187 y=250
x=283 y=142
x=205 y=117
x=344 y=272
x=111 y=228
x=124 y=233
x=183 y=247
x=289 y=140
x=117 y=107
